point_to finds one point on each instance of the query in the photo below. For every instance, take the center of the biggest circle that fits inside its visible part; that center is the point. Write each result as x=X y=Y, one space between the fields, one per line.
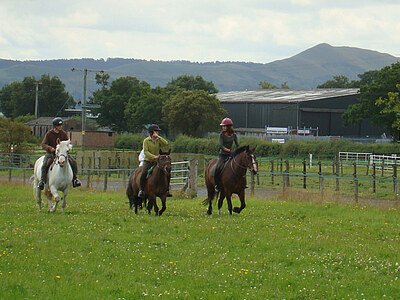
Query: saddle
x=221 y=166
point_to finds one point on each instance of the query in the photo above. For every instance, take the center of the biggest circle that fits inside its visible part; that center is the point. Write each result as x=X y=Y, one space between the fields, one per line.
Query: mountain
x=304 y=70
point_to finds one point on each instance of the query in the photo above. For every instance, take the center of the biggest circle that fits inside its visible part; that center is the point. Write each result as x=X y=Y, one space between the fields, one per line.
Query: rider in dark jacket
x=49 y=144
x=226 y=140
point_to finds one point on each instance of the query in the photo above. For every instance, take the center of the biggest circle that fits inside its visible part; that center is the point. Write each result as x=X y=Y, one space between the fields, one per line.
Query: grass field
x=275 y=249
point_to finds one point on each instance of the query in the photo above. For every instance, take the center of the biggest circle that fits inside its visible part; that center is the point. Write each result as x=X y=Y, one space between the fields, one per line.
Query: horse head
x=164 y=161
x=62 y=152
x=245 y=158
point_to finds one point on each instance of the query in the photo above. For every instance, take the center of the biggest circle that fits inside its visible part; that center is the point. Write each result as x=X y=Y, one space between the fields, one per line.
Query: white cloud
x=255 y=30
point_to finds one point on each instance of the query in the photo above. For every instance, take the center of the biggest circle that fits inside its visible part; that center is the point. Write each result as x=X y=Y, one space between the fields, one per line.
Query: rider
x=49 y=144
x=151 y=147
x=226 y=140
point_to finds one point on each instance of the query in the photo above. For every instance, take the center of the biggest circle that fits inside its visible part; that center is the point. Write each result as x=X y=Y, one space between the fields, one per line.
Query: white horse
x=59 y=177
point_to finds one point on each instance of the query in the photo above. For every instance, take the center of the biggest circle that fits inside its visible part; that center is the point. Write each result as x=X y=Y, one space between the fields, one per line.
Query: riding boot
x=75 y=181
x=43 y=177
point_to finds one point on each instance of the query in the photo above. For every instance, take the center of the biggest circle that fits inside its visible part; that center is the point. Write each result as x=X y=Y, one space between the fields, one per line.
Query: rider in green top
x=151 y=146
x=226 y=140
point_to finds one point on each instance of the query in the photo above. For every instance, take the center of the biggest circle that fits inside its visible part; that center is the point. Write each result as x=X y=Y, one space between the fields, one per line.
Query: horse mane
x=239 y=150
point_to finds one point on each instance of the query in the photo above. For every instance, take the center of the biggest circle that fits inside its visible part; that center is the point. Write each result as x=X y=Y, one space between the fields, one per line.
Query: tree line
x=187 y=104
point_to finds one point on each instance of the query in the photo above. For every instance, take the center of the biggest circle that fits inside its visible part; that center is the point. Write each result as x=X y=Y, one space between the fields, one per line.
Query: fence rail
x=347 y=176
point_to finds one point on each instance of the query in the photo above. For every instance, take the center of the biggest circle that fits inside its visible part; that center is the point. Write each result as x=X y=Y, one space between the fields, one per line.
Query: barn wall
x=326 y=114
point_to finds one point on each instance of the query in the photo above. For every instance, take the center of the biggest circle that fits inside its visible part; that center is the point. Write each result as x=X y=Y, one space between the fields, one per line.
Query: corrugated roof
x=284 y=95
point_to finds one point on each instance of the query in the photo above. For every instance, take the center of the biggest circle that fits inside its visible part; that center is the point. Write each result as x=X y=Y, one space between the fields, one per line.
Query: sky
x=197 y=31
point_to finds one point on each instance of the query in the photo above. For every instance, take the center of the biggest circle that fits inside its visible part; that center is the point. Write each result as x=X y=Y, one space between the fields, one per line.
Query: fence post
x=88 y=172
x=272 y=172
x=395 y=182
x=192 y=186
x=287 y=173
x=355 y=183
x=252 y=182
x=124 y=177
x=337 y=176
x=105 y=181
x=383 y=165
x=319 y=173
x=304 y=172
x=10 y=168
x=373 y=178
x=321 y=179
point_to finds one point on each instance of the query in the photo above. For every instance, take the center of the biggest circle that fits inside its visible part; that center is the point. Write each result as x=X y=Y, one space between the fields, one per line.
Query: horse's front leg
x=150 y=203
x=229 y=201
x=163 y=203
x=156 y=210
x=220 y=201
x=242 y=202
x=54 y=192
x=64 y=200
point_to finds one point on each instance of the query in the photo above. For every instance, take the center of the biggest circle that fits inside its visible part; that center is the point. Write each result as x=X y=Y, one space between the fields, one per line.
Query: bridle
x=163 y=166
x=57 y=158
x=251 y=165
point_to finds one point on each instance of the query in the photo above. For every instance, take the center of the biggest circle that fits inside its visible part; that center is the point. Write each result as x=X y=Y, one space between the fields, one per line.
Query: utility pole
x=37 y=100
x=84 y=106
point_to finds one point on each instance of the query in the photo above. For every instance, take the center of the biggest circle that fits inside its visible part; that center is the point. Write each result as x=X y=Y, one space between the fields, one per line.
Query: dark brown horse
x=156 y=185
x=232 y=179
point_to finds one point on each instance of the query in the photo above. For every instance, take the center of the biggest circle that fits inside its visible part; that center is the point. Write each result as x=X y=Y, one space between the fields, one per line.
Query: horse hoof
x=209 y=212
x=230 y=212
x=236 y=210
x=219 y=211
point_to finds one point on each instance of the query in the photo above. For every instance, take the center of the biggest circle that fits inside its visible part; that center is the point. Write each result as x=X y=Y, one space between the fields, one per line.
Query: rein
x=240 y=166
x=162 y=168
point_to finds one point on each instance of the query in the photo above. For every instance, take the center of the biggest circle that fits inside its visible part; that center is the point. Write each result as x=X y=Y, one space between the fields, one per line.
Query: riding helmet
x=57 y=121
x=154 y=127
x=226 y=122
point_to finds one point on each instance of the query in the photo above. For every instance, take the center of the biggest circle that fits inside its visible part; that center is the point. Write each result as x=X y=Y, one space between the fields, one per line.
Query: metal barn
x=316 y=108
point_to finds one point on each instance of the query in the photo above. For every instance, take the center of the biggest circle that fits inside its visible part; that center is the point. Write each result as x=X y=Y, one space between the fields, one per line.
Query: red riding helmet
x=226 y=122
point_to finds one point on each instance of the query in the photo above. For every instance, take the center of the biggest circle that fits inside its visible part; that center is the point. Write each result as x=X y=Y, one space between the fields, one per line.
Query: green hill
x=304 y=70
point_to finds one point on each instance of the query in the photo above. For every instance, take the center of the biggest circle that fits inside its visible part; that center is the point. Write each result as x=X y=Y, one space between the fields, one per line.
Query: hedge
x=209 y=146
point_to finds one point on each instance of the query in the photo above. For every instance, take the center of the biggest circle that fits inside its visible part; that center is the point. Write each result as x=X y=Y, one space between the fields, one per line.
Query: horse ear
x=160 y=152
x=254 y=149
x=58 y=141
x=169 y=151
x=247 y=148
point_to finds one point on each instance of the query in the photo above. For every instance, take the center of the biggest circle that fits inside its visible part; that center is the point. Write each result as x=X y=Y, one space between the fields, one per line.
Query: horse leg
x=38 y=196
x=242 y=203
x=156 y=206
x=220 y=201
x=149 y=204
x=54 y=192
x=164 y=204
x=64 y=201
x=229 y=201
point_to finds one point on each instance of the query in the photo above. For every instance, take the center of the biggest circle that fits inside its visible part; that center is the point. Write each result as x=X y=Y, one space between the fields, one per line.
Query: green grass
x=275 y=249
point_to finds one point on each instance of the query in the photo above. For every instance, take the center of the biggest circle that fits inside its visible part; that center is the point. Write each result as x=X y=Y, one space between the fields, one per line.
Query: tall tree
x=147 y=110
x=193 y=112
x=339 y=81
x=190 y=83
x=114 y=100
x=18 y=98
x=265 y=85
x=378 y=86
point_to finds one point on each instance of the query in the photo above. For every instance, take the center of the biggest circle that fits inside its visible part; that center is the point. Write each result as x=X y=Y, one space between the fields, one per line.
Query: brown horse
x=156 y=185
x=232 y=179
